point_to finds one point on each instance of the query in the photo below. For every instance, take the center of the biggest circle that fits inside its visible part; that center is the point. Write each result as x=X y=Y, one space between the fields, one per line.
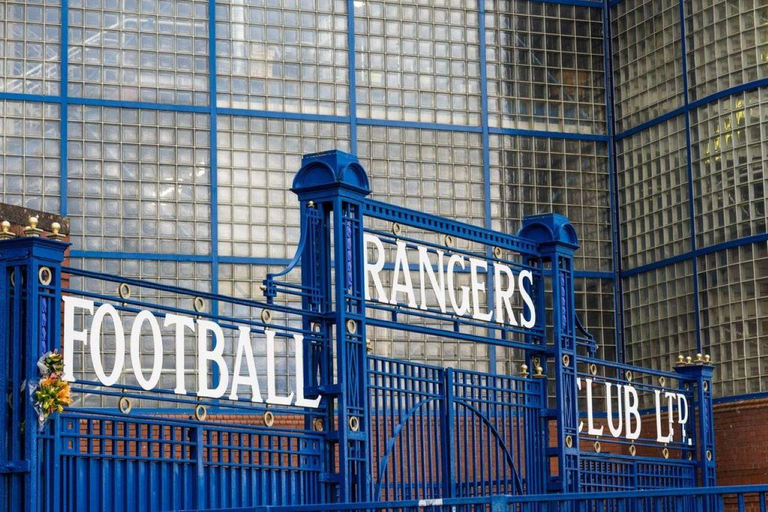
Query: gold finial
x=32 y=229
x=707 y=359
x=539 y=372
x=55 y=235
x=524 y=370
x=688 y=360
x=6 y=234
x=680 y=359
x=699 y=359
x=311 y=204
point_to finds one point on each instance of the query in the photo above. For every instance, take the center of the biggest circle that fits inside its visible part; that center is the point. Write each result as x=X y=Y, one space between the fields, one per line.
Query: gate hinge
x=325 y=390
x=21 y=466
x=330 y=478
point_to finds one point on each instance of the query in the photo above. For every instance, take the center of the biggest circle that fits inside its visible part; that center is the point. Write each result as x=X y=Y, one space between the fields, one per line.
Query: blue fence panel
x=414 y=435
x=444 y=432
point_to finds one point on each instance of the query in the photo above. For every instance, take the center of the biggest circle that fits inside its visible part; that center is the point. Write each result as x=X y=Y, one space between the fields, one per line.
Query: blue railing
x=383 y=429
x=704 y=499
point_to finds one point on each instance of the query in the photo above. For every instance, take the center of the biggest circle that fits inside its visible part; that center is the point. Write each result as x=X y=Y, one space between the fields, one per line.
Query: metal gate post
x=335 y=183
x=448 y=419
x=557 y=242
x=701 y=371
x=30 y=298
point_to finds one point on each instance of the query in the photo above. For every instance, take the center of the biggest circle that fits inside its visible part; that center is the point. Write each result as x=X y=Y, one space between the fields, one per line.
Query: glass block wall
x=690 y=102
x=169 y=131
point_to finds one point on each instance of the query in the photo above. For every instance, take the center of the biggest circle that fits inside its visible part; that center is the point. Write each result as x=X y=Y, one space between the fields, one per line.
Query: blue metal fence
x=384 y=431
x=444 y=432
x=701 y=499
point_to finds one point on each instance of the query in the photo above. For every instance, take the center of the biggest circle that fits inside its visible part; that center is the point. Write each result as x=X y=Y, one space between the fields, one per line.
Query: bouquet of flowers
x=52 y=393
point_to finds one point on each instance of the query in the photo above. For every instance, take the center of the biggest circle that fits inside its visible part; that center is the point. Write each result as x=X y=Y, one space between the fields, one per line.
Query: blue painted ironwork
x=385 y=429
x=702 y=499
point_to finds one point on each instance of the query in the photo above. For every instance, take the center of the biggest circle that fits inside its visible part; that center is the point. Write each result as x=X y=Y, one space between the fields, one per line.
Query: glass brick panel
x=189 y=275
x=433 y=171
x=545 y=66
x=729 y=151
x=647 y=60
x=30 y=46
x=30 y=151
x=595 y=309
x=542 y=175
x=727 y=44
x=418 y=61
x=659 y=316
x=154 y=51
x=139 y=180
x=283 y=55
x=733 y=299
x=653 y=193
x=257 y=161
x=430 y=349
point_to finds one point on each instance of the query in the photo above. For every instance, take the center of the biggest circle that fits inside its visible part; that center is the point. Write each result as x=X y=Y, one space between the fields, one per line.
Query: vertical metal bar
x=213 y=133
x=689 y=169
x=613 y=184
x=199 y=448
x=487 y=220
x=449 y=445
x=422 y=384
x=31 y=352
x=352 y=77
x=5 y=340
x=64 y=108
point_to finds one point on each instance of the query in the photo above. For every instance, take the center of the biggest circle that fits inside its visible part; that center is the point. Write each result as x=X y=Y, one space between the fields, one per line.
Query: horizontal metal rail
x=732 y=498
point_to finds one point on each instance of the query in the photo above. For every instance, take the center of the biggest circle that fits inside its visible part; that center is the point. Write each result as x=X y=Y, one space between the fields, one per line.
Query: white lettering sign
x=210 y=343
x=438 y=274
x=623 y=416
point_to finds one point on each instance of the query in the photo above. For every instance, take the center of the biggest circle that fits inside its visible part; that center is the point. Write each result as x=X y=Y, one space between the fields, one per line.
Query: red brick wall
x=741 y=442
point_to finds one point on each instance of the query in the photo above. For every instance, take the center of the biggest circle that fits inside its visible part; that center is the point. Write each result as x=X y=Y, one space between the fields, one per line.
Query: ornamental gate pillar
x=557 y=242
x=701 y=371
x=331 y=187
x=30 y=298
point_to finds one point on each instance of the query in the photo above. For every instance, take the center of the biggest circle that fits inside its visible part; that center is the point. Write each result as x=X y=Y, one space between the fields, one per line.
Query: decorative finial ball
x=688 y=360
x=5 y=225
x=680 y=359
x=33 y=222
x=55 y=227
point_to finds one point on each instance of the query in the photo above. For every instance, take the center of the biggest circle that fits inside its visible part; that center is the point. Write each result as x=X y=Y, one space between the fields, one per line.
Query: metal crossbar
x=707 y=499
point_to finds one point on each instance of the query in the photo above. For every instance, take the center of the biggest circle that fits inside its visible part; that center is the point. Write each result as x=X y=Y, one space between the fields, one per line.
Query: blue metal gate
x=356 y=428
x=440 y=433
